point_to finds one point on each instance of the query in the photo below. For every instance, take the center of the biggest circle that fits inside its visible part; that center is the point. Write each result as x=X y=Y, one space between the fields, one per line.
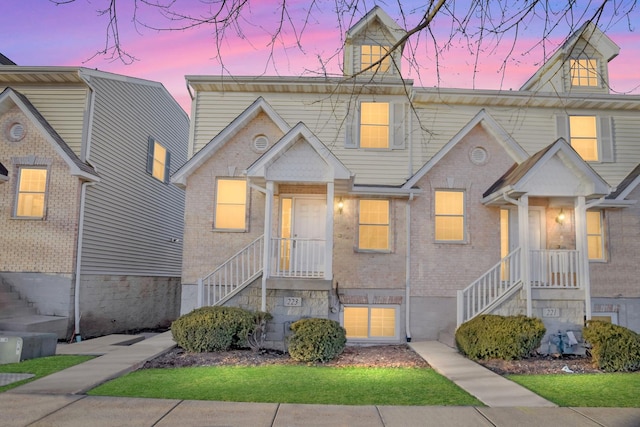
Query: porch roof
x=555 y=171
x=300 y=157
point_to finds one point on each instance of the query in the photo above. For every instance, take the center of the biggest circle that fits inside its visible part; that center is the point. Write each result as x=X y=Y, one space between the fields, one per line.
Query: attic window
x=584 y=72
x=370 y=54
x=260 y=143
x=16 y=132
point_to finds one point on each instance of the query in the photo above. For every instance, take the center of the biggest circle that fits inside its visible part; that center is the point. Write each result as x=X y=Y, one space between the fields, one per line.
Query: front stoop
x=37 y=323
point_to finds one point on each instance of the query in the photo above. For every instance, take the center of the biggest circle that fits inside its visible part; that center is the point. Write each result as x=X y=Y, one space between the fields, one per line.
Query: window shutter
x=351 y=124
x=167 y=167
x=150 y=146
x=562 y=127
x=398 y=126
x=605 y=138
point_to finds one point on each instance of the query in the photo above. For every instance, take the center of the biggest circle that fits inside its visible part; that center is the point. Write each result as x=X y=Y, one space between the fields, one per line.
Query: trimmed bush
x=613 y=348
x=213 y=329
x=499 y=337
x=316 y=340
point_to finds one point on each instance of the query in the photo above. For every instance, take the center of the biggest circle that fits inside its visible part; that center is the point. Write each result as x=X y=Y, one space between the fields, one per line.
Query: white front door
x=308 y=225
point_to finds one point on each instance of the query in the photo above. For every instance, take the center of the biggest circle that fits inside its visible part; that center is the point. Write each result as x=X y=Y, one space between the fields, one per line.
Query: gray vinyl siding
x=130 y=216
x=325 y=119
x=63 y=107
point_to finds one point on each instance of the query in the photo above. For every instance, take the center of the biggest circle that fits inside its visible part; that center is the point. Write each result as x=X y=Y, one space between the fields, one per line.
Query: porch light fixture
x=560 y=218
x=340 y=205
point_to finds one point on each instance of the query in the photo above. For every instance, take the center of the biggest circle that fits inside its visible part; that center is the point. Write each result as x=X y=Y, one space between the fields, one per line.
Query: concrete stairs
x=18 y=315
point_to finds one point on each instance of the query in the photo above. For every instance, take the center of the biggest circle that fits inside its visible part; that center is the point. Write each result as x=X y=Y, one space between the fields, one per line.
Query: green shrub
x=316 y=340
x=213 y=329
x=499 y=337
x=613 y=348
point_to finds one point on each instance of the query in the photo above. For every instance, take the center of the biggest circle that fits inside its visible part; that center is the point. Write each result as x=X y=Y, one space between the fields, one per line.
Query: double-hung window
x=32 y=191
x=158 y=160
x=595 y=236
x=231 y=204
x=373 y=225
x=584 y=72
x=583 y=135
x=449 y=216
x=370 y=54
x=374 y=125
x=370 y=322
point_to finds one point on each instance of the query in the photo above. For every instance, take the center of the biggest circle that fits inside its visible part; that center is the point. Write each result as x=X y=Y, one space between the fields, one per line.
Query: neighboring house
x=402 y=211
x=91 y=227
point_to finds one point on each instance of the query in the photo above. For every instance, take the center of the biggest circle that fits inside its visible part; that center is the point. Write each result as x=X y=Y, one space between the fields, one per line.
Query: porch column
x=328 y=247
x=583 y=252
x=266 y=260
x=523 y=235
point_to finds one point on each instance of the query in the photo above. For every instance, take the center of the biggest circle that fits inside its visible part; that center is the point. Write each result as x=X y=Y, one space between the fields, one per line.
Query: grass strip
x=585 y=390
x=40 y=367
x=293 y=384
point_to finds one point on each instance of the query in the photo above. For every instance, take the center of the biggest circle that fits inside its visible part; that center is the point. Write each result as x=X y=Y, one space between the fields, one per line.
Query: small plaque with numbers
x=551 y=312
x=292 y=301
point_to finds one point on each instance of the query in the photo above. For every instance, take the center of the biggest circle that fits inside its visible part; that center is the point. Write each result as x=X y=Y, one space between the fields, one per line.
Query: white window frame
x=369 y=307
x=601 y=235
x=388 y=125
x=582 y=74
x=572 y=138
x=375 y=54
x=387 y=225
x=464 y=216
x=18 y=193
x=216 y=202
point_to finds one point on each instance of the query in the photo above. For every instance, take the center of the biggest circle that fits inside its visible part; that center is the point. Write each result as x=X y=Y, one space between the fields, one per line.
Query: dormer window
x=584 y=72
x=370 y=54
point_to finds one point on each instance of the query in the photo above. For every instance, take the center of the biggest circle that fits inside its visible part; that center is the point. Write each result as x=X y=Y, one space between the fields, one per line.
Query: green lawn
x=40 y=367
x=595 y=390
x=293 y=384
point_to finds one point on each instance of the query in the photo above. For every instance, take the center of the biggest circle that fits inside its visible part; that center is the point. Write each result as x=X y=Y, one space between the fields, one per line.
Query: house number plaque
x=551 y=312
x=292 y=302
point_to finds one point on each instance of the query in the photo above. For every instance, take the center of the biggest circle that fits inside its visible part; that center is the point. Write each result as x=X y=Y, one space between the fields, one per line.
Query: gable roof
x=515 y=182
x=5 y=61
x=377 y=13
x=592 y=35
x=489 y=124
x=259 y=105
x=10 y=97
x=315 y=163
x=627 y=185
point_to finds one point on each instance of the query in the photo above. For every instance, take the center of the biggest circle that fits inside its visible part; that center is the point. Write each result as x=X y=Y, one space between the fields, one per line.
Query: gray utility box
x=16 y=346
x=10 y=349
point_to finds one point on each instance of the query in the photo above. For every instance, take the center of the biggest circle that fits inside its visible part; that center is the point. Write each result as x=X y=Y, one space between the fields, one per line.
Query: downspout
x=407 y=320
x=83 y=195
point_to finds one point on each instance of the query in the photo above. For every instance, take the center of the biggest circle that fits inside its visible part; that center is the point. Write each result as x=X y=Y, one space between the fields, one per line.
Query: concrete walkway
x=56 y=400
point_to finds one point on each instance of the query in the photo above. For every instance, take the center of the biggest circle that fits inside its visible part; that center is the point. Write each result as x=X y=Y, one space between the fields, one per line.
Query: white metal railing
x=489 y=287
x=297 y=257
x=238 y=271
x=555 y=269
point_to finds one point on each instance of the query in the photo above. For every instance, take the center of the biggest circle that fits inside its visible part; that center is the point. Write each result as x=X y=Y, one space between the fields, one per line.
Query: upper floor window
x=231 y=204
x=449 y=216
x=583 y=135
x=584 y=72
x=373 y=225
x=374 y=125
x=370 y=54
x=595 y=235
x=31 y=194
x=158 y=158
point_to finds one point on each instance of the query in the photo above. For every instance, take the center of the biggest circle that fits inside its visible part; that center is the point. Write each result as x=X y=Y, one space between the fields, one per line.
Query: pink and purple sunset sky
x=38 y=32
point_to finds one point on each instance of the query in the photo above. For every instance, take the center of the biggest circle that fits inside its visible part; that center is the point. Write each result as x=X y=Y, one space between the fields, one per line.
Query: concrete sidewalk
x=56 y=400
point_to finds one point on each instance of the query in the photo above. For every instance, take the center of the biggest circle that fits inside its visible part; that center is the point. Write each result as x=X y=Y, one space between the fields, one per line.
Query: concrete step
x=37 y=323
x=16 y=310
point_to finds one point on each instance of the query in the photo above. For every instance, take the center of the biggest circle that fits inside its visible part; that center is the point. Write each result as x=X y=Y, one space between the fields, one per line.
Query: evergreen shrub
x=613 y=348
x=499 y=337
x=213 y=329
x=316 y=340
